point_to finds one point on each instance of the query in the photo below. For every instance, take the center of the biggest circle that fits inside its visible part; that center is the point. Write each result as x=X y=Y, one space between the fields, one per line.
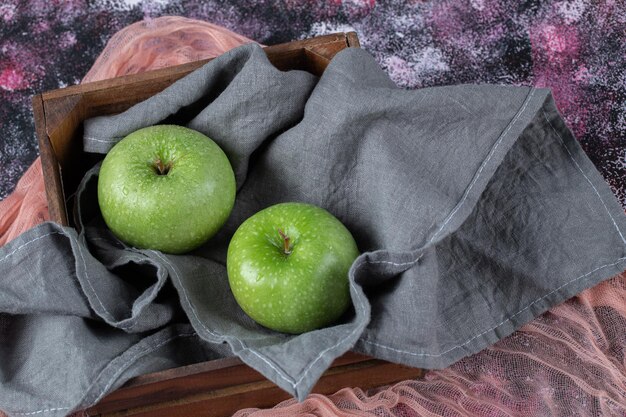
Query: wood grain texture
x=174 y=384
x=51 y=168
x=353 y=40
x=237 y=387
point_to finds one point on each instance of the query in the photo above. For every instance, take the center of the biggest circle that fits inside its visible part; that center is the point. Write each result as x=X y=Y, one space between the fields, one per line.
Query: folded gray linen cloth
x=474 y=207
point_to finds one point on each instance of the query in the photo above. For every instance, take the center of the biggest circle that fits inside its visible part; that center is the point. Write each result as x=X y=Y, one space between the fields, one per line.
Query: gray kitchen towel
x=474 y=207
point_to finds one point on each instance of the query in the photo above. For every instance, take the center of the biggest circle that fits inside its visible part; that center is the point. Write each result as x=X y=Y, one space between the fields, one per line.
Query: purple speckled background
x=574 y=47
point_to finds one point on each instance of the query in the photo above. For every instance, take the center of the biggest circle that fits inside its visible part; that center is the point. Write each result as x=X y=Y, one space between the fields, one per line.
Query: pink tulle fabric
x=568 y=362
x=159 y=43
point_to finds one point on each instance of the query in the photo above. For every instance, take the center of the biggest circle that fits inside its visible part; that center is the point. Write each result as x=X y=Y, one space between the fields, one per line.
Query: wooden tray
x=219 y=387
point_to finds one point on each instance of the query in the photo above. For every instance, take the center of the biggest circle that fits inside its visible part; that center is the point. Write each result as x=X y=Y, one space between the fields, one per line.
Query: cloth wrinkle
x=126 y=326
x=23 y=245
x=551 y=292
x=484 y=163
x=620 y=260
x=320 y=355
x=132 y=360
x=279 y=371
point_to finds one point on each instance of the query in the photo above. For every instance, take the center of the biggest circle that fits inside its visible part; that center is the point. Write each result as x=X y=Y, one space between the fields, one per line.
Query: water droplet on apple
x=125 y=191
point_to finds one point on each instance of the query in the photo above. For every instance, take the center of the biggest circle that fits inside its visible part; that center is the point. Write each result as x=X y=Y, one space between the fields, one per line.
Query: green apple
x=166 y=187
x=288 y=267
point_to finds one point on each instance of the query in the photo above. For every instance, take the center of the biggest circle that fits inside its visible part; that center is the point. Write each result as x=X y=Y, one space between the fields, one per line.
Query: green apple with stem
x=288 y=267
x=166 y=187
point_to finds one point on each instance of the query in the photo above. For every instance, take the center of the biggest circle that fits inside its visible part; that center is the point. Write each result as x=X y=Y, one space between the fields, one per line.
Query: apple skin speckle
x=297 y=292
x=173 y=212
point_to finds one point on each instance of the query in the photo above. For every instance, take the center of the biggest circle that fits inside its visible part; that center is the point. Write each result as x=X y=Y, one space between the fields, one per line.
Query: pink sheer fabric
x=26 y=206
x=570 y=361
x=159 y=43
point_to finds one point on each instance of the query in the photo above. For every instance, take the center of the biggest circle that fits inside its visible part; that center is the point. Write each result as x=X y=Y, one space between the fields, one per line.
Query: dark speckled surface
x=575 y=47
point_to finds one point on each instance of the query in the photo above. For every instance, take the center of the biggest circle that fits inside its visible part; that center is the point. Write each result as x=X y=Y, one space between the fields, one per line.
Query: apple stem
x=161 y=168
x=286 y=239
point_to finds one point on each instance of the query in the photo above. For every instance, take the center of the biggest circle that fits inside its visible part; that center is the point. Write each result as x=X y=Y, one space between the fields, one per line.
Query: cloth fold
x=475 y=209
